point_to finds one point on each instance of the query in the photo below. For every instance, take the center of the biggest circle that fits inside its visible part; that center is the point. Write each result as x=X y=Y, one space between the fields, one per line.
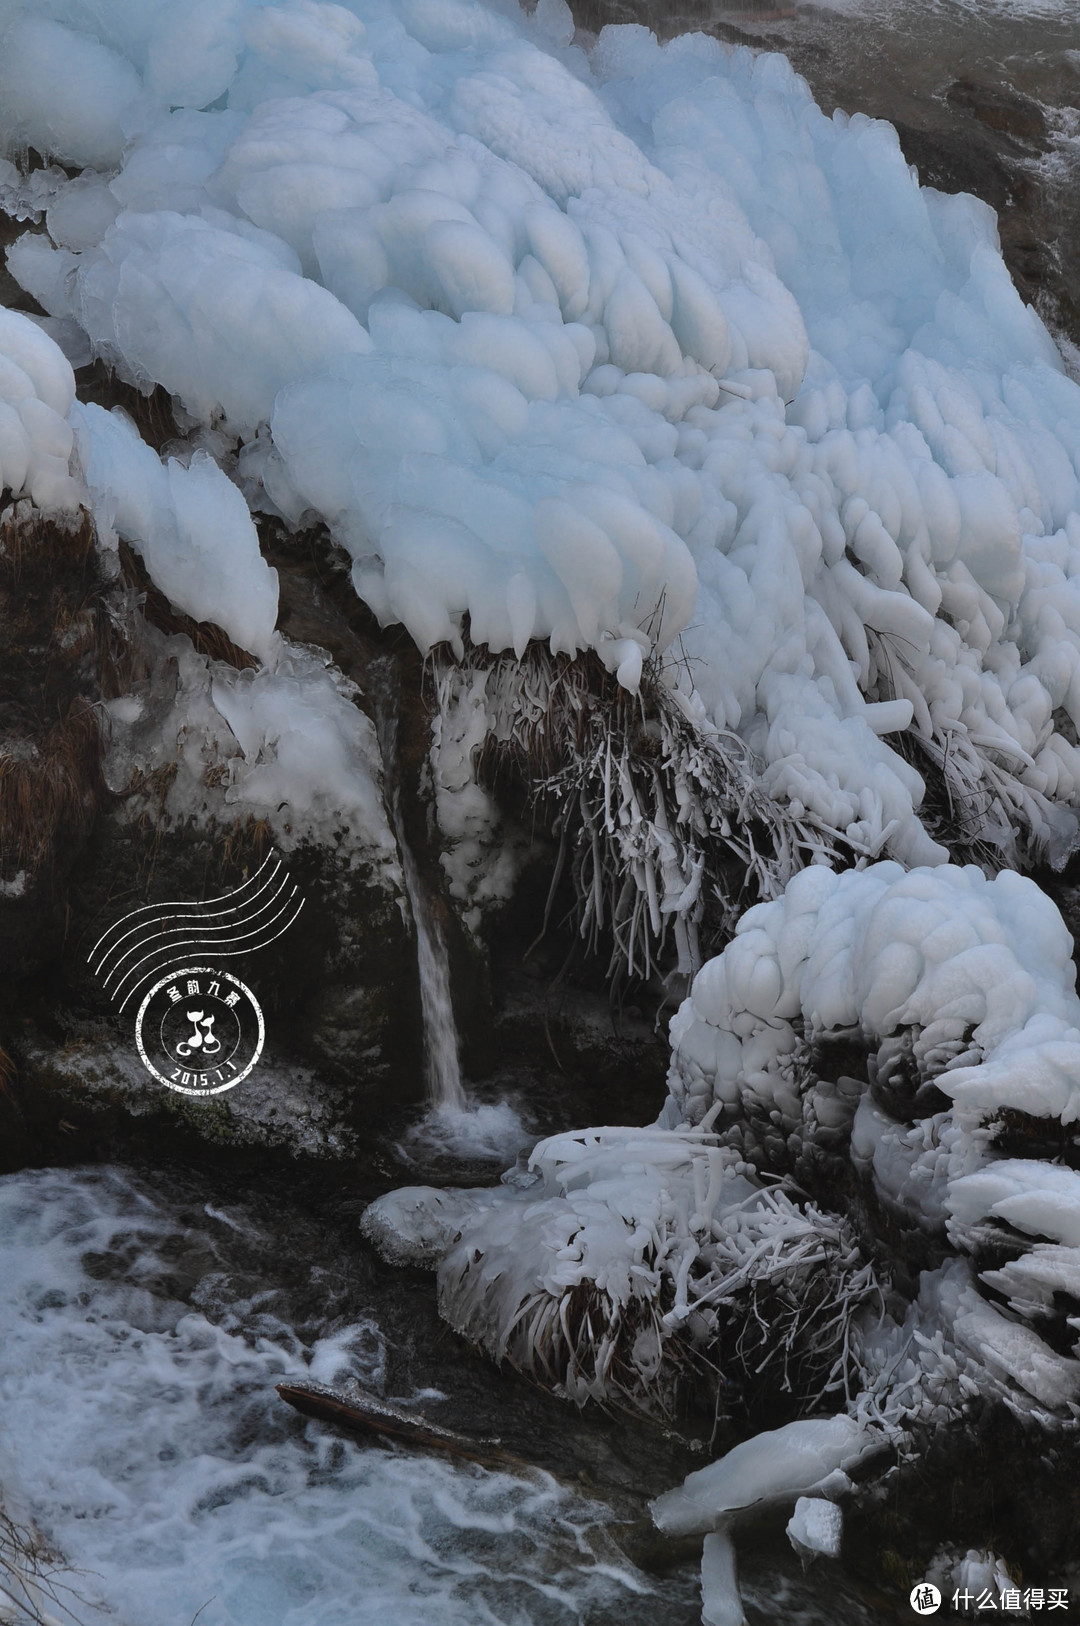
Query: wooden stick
x=365 y=1414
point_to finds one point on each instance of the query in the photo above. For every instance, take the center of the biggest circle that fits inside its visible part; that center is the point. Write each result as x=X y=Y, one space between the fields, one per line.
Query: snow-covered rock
x=961 y=991
x=288 y=745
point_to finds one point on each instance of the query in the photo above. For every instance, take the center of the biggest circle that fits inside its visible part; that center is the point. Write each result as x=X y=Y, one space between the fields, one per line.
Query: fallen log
x=365 y=1414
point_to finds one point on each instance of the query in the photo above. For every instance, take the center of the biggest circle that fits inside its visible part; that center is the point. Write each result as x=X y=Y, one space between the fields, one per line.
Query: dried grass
x=8 y=1074
x=766 y=1304
x=34 y=1576
x=661 y=820
x=50 y=791
x=34 y=543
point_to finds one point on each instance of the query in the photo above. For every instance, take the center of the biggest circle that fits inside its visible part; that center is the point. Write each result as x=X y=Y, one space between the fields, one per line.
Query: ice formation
x=289 y=746
x=620 y=346
x=482 y=859
x=772 y=1468
x=288 y=742
x=910 y=1033
x=782 y=1464
x=37 y=390
x=190 y=524
x=628 y=1259
x=947 y=979
x=972 y=1571
x=816 y=1527
x=720 y=1598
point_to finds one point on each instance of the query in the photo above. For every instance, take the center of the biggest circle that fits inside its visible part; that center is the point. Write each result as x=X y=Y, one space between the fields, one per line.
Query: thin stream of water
x=442 y=1048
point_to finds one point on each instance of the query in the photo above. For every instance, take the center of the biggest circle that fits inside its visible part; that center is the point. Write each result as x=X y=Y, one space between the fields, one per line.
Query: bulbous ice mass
x=962 y=992
x=37 y=388
x=626 y=348
x=190 y=524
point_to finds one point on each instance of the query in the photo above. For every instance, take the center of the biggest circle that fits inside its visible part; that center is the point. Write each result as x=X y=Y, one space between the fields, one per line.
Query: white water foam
x=961 y=11
x=143 y=1434
x=479 y=1129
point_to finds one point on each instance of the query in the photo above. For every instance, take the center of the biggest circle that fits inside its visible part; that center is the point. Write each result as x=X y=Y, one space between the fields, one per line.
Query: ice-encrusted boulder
x=953 y=992
x=627 y=1253
x=627 y=1258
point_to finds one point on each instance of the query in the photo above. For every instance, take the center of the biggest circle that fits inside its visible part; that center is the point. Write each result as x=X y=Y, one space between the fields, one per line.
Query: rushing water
x=144 y=1320
x=142 y=1338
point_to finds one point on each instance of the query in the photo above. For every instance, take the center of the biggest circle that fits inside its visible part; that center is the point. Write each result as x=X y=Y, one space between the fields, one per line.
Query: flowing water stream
x=454 y=1126
x=442 y=1046
x=145 y=1317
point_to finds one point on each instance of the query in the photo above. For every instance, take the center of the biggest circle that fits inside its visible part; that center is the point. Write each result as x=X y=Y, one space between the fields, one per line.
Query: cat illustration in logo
x=202 y=1037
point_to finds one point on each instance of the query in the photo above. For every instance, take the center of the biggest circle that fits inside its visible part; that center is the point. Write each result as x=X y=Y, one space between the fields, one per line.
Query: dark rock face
x=58 y=656
x=338 y=990
x=126 y=824
x=999 y=108
x=998 y=1477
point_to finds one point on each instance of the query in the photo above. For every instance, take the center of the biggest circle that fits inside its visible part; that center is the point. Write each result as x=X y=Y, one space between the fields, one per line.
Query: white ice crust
x=189 y=522
x=628 y=348
x=816 y=1526
x=780 y=1464
x=37 y=389
x=289 y=746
